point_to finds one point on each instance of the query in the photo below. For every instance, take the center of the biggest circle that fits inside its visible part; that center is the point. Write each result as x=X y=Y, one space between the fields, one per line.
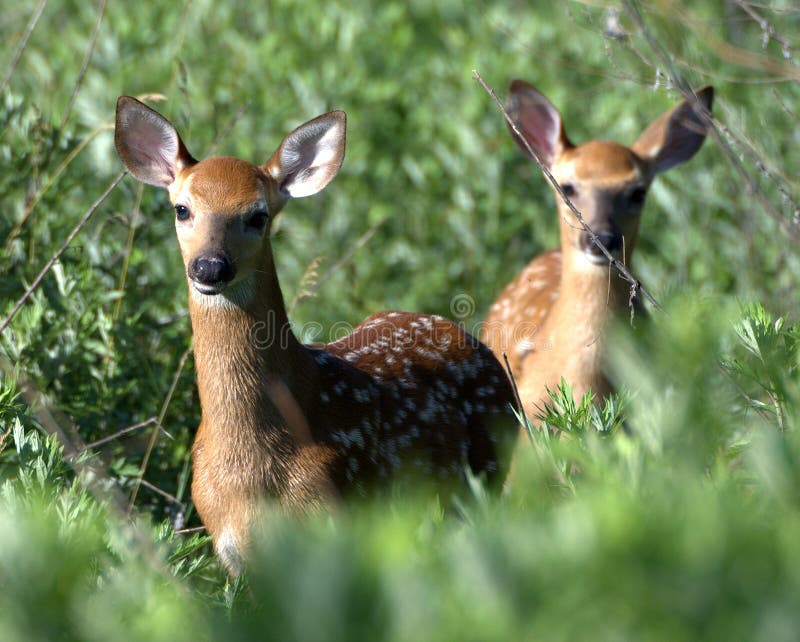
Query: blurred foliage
x=669 y=511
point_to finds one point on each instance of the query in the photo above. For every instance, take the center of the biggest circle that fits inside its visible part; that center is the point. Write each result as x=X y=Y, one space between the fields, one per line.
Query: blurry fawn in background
x=403 y=394
x=551 y=319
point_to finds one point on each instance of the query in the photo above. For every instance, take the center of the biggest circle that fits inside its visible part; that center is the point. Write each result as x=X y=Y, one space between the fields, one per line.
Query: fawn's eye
x=569 y=190
x=637 y=196
x=257 y=220
x=181 y=212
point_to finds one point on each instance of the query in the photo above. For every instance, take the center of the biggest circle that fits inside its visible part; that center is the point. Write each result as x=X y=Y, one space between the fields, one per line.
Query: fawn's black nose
x=612 y=241
x=211 y=270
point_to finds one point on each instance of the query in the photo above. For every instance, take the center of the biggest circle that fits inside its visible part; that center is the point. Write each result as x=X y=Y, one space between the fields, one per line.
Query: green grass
x=670 y=512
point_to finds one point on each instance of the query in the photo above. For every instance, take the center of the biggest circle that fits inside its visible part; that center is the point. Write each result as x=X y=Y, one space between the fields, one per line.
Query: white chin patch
x=236 y=295
x=206 y=289
x=597 y=259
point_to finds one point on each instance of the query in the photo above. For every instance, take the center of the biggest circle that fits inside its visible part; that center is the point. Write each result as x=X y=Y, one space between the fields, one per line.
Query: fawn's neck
x=243 y=347
x=589 y=296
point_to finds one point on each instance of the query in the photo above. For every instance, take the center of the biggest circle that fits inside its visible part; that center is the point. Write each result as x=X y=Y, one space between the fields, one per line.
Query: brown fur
x=551 y=319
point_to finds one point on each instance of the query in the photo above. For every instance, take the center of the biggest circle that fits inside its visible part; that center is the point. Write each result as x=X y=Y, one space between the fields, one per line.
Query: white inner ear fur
x=153 y=142
x=310 y=157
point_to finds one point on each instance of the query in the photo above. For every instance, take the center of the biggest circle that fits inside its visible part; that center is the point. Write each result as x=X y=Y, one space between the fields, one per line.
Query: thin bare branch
x=193 y=529
x=56 y=423
x=51 y=421
x=85 y=64
x=23 y=42
x=37 y=281
x=126 y=260
x=312 y=287
x=676 y=11
x=97 y=482
x=227 y=129
x=308 y=285
x=51 y=181
x=522 y=418
x=154 y=434
x=787 y=47
x=792 y=229
x=4 y=437
x=635 y=284
x=360 y=242
x=125 y=431
x=158 y=491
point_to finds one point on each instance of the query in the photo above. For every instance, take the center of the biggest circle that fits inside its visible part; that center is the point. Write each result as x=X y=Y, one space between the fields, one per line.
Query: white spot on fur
x=361 y=396
x=348 y=439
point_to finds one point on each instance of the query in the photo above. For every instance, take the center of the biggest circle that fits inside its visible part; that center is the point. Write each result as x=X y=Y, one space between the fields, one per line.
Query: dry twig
x=520 y=408
x=159 y=422
x=360 y=242
x=120 y=433
x=85 y=64
x=51 y=181
x=37 y=281
x=680 y=84
x=23 y=42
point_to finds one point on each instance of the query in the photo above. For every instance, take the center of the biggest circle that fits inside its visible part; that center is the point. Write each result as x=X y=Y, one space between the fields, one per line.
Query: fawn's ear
x=677 y=135
x=148 y=144
x=538 y=121
x=310 y=156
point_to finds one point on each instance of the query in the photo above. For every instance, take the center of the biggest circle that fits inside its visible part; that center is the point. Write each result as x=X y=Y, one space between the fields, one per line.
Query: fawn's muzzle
x=210 y=273
x=611 y=240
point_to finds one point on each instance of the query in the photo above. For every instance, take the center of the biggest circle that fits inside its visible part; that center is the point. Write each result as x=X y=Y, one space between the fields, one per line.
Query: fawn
x=403 y=394
x=551 y=319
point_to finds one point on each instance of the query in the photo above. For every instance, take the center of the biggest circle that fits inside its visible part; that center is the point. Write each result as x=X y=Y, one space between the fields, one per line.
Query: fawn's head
x=607 y=182
x=224 y=206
